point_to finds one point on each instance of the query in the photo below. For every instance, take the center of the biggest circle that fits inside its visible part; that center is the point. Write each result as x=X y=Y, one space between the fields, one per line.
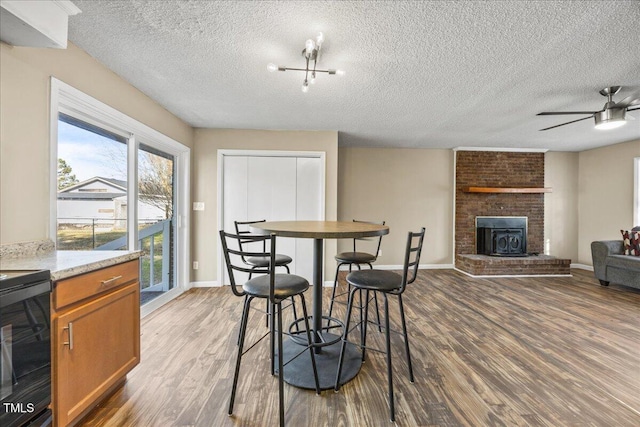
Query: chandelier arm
x=315 y=60
x=303 y=69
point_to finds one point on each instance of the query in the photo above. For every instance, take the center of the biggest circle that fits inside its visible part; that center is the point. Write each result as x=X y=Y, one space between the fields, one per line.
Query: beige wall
x=204 y=247
x=561 y=205
x=605 y=189
x=24 y=131
x=409 y=189
x=592 y=191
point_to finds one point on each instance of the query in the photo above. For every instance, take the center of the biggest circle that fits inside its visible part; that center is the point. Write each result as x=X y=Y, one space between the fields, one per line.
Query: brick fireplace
x=501 y=185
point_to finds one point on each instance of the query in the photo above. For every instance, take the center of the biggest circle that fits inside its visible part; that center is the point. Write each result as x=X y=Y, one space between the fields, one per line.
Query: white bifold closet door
x=276 y=189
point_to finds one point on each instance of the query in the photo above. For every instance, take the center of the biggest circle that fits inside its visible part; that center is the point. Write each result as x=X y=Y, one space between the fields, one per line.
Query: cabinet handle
x=110 y=281
x=70 y=329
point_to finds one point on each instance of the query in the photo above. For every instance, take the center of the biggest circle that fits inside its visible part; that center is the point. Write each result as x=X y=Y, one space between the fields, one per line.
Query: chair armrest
x=600 y=250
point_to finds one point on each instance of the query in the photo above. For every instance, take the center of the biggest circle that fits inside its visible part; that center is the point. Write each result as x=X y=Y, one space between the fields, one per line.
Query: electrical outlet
x=195 y=265
x=379 y=252
x=198 y=206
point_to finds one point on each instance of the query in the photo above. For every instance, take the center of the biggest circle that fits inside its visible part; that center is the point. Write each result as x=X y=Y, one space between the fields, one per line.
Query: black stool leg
x=344 y=338
x=363 y=329
x=375 y=299
x=389 y=368
x=241 y=323
x=406 y=338
x=272 y=339
x=293 y=303
x=310 y=341
x=333 y=292
x=278 y=307
x=243 y=329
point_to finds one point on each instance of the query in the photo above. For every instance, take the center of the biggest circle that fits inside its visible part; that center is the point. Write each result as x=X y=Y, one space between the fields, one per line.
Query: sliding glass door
x=93 y=199
x=120 y=186
x=156 y=222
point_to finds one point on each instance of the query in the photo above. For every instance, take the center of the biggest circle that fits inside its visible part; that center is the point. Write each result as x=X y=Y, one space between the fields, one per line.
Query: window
x=119 y=185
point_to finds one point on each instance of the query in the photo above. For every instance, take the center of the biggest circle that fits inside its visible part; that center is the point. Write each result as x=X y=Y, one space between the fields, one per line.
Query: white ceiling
x=418 y=74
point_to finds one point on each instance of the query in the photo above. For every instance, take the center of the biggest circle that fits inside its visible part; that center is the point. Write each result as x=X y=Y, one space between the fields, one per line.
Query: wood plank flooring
x=551 y=352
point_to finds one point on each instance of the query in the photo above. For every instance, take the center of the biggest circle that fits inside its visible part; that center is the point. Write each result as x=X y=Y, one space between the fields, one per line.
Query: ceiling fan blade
x=633 y=99
x=632 y=109
x=567 y=123
x=559 y=113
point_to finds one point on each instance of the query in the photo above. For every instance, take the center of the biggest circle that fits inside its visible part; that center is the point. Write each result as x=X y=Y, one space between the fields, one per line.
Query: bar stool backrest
x=377 y=240
x=242 y=229
x=412 y=258
x=234 y=258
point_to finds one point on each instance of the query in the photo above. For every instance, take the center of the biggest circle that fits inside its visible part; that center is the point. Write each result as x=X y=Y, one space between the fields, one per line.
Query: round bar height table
x=298 y=372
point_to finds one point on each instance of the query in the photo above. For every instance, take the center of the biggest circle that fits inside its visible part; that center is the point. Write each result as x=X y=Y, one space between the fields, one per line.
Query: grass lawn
x=77 y=239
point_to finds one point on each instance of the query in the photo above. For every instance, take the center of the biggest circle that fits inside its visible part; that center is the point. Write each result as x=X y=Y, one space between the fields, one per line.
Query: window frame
x=71 y=101
x=636 y=192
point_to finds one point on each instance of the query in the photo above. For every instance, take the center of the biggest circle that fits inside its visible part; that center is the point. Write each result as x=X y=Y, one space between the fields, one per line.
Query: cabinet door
x=96 y=344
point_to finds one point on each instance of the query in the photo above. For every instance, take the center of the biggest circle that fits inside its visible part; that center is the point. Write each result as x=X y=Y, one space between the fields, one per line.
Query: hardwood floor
x=560 y=351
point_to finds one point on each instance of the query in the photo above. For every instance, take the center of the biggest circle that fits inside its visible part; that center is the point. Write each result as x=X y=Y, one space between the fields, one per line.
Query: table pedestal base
x=299 y=372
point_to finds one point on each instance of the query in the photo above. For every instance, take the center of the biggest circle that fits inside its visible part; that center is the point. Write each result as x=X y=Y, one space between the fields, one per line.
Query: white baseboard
x=582 y=266
x=399 y=267
x=205 y=284
x=329 y=284
x=504 y=276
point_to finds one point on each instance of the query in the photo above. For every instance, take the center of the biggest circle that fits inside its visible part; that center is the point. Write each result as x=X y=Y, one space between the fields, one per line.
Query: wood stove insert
x=501 y=236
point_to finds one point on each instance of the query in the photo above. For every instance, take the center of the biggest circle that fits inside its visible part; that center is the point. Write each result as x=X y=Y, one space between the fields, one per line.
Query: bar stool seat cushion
x=286 y=285
x=355 y=257
x=264 y=261
x=376 y=280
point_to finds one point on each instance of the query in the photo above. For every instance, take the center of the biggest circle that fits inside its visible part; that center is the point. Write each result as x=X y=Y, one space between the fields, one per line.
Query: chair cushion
x=261 y=261
x=355 y=257
x=377 y=280
x=285 y=286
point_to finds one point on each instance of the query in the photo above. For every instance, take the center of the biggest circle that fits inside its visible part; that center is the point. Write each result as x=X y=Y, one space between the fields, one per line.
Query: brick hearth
x=484 y=265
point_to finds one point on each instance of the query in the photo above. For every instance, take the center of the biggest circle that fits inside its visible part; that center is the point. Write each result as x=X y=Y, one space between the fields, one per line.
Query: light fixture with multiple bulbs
x=310 y=52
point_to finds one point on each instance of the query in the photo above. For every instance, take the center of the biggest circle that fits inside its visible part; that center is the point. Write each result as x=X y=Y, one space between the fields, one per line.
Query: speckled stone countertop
x=63 y=264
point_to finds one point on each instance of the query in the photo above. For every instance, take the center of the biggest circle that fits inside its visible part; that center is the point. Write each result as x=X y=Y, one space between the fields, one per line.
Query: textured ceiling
x=418 y=74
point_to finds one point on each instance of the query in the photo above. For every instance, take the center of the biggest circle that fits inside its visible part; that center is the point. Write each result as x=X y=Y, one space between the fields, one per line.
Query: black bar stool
x=386 y=283
x=357 y=258
x=242 y=229
x=275 y=288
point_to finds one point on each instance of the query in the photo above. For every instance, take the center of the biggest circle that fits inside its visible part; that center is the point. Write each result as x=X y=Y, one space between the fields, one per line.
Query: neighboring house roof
x=88 y=196
x=117 y=184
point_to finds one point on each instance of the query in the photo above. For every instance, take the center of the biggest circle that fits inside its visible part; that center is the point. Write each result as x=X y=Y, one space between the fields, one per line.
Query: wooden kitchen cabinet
x=96 y=326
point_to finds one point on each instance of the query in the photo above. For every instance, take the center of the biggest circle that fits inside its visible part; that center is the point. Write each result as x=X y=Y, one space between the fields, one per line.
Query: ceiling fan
x=612 y=115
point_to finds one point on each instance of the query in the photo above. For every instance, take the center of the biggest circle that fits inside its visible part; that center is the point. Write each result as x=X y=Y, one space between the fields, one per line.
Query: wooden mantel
x=505 y=190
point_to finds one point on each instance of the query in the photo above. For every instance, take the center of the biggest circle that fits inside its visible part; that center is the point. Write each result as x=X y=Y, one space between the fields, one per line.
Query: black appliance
x=25 y=348
x=501 y=236
x=501 y=241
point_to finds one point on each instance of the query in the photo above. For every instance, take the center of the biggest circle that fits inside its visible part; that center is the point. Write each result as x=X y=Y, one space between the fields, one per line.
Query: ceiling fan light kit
x=612 y=115
x=311 y=52
x=610 y=119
